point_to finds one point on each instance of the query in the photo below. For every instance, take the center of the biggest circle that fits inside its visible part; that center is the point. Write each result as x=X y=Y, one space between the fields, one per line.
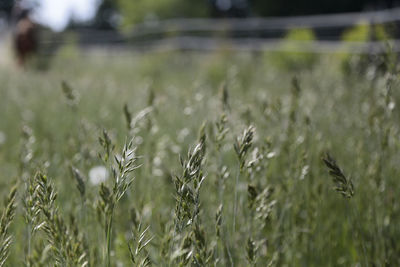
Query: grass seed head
x=343 y=185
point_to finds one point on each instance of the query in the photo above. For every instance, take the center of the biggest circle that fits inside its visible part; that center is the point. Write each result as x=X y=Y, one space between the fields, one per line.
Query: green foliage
x=293 y=54
x=364 y=32
x=69 y=51
x=141 y=10
x=361 y=34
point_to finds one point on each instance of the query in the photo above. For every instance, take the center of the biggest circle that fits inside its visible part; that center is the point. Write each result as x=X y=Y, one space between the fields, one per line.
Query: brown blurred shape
x=25 y=38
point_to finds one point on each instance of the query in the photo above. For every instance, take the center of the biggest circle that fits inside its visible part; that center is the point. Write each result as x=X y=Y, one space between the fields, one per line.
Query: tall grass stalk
x=241 y=146
x=121 y=169
x=5 y=222
x=67 y=249
x=345 y=187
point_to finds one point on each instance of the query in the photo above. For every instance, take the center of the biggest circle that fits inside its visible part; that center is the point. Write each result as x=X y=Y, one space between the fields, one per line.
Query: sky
x=56 y=13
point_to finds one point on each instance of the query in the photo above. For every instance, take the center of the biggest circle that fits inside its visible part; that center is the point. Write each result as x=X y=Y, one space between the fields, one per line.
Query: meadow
x=200 y=159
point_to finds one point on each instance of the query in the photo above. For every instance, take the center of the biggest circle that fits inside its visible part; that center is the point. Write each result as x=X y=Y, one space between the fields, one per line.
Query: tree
x=141 y=10
x=306 y=7
x=107 y=15
x=6 y=7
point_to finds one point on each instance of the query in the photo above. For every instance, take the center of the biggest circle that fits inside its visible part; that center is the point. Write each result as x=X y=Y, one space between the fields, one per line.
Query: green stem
x=355 y=216
x=108 y=238
x=235 y=201
x=29 y=228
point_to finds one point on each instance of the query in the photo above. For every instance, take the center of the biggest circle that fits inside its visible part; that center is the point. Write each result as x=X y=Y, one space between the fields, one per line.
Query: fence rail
x=265 y=24
x=250 y=34
x=259 y=44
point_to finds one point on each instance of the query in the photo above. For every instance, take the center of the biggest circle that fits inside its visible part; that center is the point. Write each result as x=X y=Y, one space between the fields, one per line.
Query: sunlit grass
x=205 y=192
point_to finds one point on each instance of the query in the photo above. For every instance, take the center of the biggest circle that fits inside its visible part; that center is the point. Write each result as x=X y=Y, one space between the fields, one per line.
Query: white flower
x=391 y=105
x=304 y=172
x=271 y=155
x=198 y=96
x=138 y=140
x=182 y=134
x=188 y=111
x=97 y=175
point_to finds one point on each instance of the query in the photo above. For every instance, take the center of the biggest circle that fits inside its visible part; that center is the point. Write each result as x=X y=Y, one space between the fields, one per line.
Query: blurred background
x=197 y=24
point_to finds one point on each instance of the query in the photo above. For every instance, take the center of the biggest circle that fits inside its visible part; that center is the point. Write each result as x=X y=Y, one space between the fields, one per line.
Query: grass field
x=226 y=151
